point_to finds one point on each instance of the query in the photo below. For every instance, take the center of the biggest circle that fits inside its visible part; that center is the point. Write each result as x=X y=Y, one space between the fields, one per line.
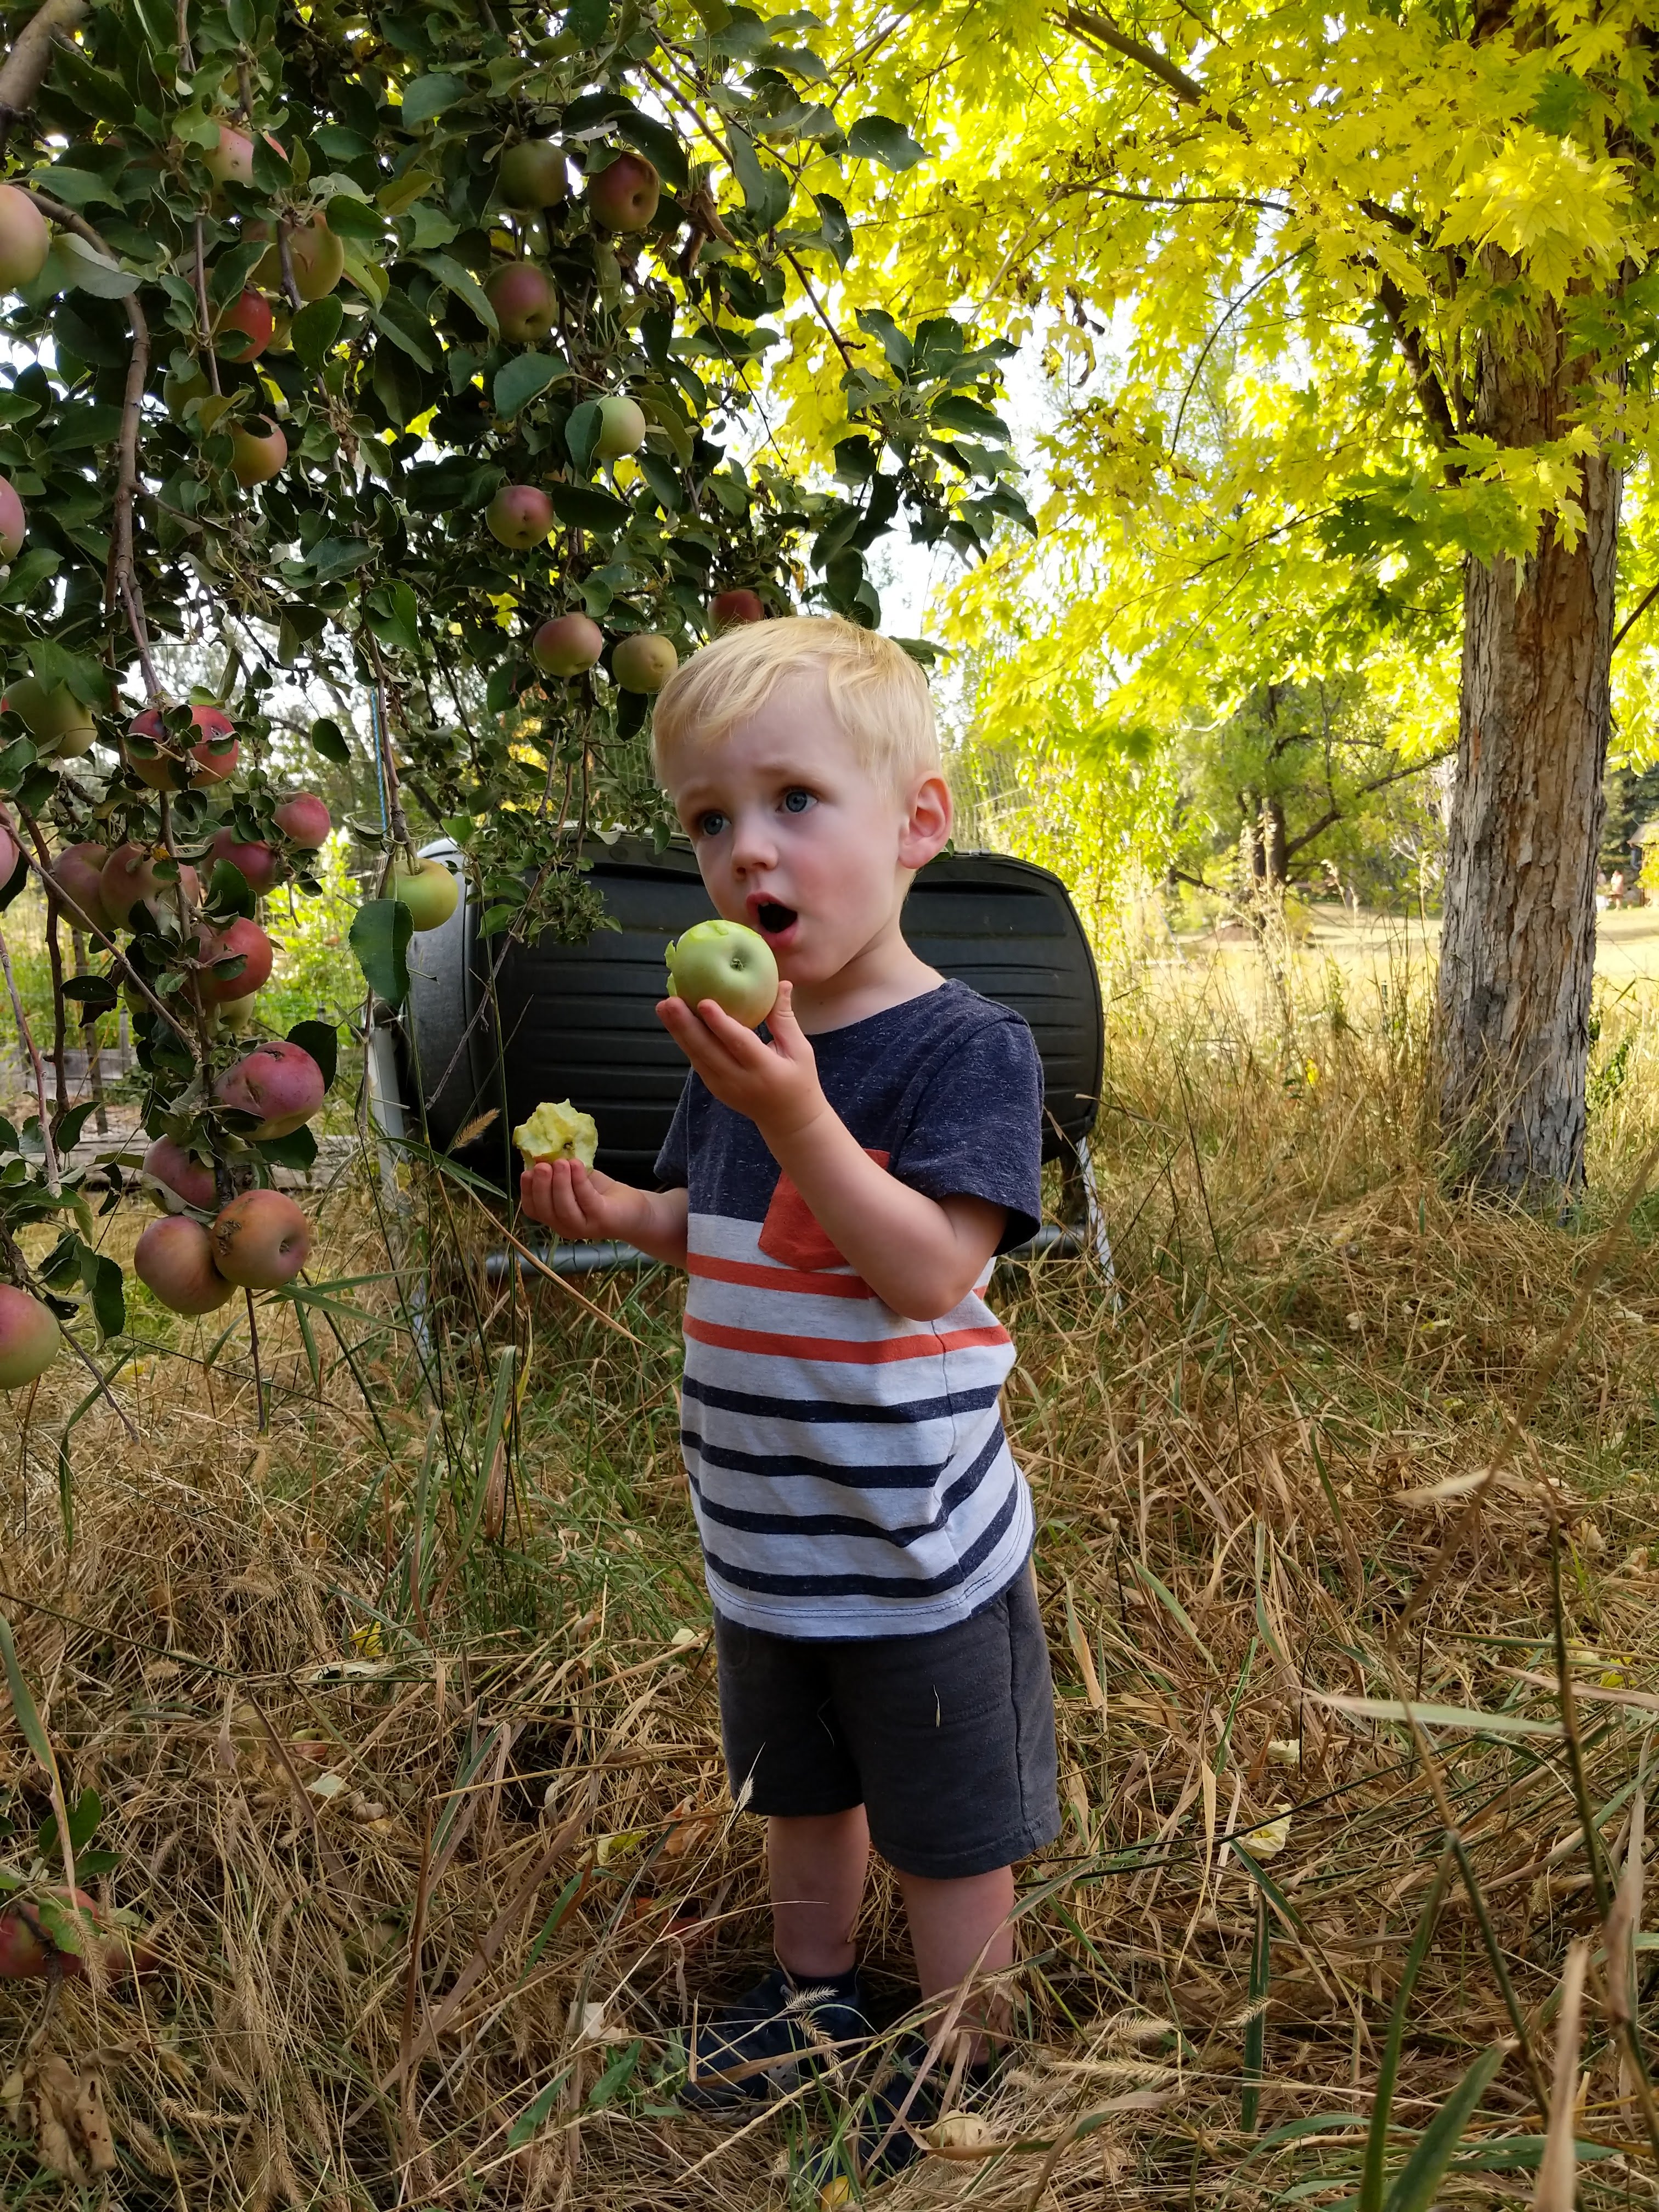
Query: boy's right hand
x=578 y=1202
x=584 y=1206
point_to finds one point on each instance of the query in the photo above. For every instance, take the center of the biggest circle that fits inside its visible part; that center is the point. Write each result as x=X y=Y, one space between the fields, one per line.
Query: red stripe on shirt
x=808 y=1284
x=874 y=1354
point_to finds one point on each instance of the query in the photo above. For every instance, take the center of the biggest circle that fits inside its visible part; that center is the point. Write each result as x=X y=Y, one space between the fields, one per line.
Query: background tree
x=1300 y=780
x=416 y=355
x=1426 y=232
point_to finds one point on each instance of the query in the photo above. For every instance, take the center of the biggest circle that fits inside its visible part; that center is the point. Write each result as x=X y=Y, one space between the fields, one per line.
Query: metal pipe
x=1052 y=1241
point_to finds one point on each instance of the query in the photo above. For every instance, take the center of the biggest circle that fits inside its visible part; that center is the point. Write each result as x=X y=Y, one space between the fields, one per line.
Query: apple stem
x=285 y=258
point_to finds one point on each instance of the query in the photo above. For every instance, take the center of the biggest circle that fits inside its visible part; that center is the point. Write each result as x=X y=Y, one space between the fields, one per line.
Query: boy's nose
x=753 y=846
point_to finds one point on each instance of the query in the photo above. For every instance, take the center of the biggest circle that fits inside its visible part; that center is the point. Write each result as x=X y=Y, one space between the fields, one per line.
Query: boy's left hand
x=775 y=1084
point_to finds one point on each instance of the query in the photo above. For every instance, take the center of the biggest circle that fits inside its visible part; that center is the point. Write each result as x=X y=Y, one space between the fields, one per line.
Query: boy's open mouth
x=774 y=919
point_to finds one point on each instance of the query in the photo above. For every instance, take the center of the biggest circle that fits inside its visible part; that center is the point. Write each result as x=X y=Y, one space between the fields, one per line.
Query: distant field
x=1627 y=941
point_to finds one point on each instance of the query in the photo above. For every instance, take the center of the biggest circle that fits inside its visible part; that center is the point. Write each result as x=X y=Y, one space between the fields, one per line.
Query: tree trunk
x=1274 y=858
x=1519 y=939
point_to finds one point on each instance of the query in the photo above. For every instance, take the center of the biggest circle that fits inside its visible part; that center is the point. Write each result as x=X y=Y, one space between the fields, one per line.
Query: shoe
x=873 y=2149
x=765 y=2036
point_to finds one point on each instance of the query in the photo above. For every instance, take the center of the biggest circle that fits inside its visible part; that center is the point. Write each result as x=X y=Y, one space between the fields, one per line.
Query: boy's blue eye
x=798 y=801
x=710 y=825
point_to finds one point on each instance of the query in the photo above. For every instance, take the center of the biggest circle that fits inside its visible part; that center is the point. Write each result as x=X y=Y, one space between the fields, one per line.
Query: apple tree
x=423 y=355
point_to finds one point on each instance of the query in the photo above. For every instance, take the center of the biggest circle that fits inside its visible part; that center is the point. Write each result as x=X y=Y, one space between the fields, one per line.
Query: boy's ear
x=927 y=822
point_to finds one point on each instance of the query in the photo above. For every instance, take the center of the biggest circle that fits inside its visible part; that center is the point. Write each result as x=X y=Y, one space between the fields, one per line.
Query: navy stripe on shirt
x=841 y=1410
x=854 y=1524
x=870 y=1585
x=850 y=1474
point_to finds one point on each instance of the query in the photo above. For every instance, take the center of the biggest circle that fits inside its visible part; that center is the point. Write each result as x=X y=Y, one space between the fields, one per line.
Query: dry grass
x=455 y=1972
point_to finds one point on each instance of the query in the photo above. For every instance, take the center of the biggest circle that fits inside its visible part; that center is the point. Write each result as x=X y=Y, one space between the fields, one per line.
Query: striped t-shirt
x=849 y=1472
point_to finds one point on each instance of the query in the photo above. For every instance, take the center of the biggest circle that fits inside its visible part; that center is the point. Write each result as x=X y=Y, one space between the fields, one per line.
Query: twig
x=382 y=728
x=202 y=311
x=122 y=585
x=54 y=1180
x=253 y=1338
x=89 y=1039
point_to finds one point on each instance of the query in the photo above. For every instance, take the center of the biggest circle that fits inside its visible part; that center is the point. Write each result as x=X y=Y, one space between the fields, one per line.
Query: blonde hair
x=877 y=695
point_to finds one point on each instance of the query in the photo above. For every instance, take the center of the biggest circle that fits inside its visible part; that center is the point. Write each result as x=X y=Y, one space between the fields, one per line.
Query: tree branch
x=1430 y=393
x=1333 y=814
x=1248 y=294
x=1105 y=32
x=122 y=586
x=24 y=71
x=1634 y=616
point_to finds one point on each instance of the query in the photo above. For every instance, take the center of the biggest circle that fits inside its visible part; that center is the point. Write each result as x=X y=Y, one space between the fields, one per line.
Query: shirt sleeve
x=673 y=1167
x=977 y=1129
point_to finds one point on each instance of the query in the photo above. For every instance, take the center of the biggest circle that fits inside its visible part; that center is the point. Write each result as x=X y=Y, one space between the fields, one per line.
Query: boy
x=837 y=1195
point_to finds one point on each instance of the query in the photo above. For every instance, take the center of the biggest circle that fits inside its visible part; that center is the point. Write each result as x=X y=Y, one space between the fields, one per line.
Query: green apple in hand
x=729 y=963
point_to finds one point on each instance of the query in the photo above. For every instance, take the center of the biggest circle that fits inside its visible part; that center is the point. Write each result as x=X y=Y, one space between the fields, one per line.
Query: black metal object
x=578 y=1021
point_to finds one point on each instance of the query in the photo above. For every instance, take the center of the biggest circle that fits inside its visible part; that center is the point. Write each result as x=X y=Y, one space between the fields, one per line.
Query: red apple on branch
x=566 y=646
x=258 y=451
x=727 y=609
x=231 y=162
x=304 y=820
x=261 y=1240
x=14 y=522
x=280 y=1082
x=624 y=195
x=213 y=757
x=244 y=940
x=129 y=880
x=174 y=1259
x=25 y=241
x=521 y=516
x=77 y=873
x=525 y=304
x=181 y=1174
x=29 y=1337
x=259 y=865
x=251 y=315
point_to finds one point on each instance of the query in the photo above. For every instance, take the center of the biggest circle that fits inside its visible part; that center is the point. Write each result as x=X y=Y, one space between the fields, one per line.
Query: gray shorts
x=947 y=1740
